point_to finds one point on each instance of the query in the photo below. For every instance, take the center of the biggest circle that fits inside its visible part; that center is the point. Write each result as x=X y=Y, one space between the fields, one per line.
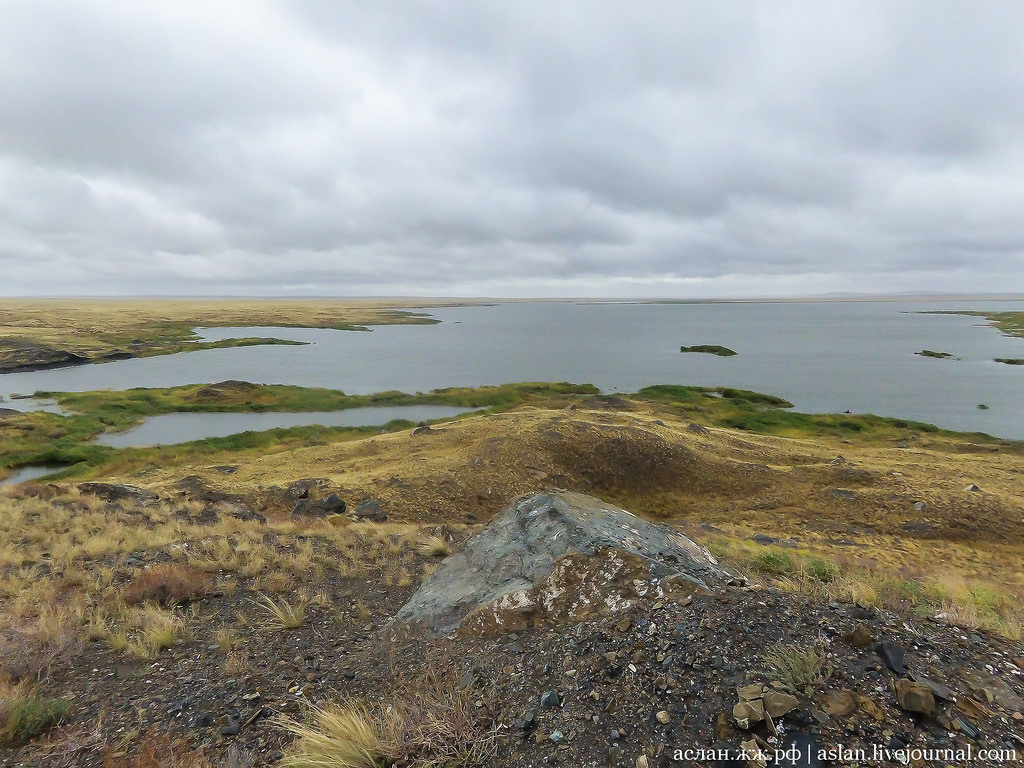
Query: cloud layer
x=528 y=148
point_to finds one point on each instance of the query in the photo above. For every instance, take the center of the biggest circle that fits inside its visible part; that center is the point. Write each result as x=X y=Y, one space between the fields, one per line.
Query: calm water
x=824 y=357
x=31 y=472
x=181 y=427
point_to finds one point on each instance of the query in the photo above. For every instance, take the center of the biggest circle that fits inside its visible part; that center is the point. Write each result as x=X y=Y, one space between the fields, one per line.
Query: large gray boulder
x=555 y=557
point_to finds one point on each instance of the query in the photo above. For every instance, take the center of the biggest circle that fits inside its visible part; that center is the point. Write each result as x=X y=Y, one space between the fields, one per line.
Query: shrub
x=282 y=614
x=434 y=546
x=23 y=715
x=796 y=668
x=167 y=584
x=825 y=571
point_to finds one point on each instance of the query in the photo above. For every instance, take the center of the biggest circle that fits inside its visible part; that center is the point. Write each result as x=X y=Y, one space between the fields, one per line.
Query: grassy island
x=710 y=349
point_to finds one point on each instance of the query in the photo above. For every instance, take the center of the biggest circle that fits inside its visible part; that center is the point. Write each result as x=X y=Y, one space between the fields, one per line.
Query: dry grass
x=167 y=584
x=431 y=725
x=158 y=750
x=281 y=613
x=434 y=546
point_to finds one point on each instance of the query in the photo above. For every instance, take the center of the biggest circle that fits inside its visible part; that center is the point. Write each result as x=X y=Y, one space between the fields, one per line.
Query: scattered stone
x=557 y=737
x=663 y=717
x=938 y=689
x=914 y=697
x=893 y=656
x=232 y=729
x=549 y=700
x=697 y=429
x=972 y=488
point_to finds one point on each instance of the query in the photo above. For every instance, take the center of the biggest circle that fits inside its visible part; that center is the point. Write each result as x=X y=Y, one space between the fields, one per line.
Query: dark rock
x=332 y=505
x=761 y=538
x=301 y=489
x=528 y=723
x=557 y=737
x=370 y=510
x=697 y=429
x=893 y=655
x=549 y=700
x=119 y=492
x=841 y=493
x=204 y=720
x=938 y=689
x=21 y=355
x=424 y=429
x=544 y=544
x=231 y=730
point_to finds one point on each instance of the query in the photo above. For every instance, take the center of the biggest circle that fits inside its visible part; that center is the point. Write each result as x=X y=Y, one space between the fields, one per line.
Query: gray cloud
x=530 y=148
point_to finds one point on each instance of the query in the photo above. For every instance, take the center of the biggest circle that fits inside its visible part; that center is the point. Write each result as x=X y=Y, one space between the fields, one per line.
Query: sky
x=650 y=149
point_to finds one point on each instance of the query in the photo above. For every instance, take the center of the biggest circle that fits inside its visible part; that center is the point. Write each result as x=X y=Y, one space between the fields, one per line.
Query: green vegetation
x=939 y=355
x=24 y=715
x=710 y=349
x=755 y=412
x=1010 y=360
x=798 y=669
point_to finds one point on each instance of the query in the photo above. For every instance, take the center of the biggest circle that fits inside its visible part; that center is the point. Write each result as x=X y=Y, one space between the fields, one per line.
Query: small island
x=710 y=349
x=1010 y=360
x=938 y=355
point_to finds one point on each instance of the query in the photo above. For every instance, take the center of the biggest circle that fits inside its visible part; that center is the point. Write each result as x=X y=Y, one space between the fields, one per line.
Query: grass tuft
x=282 y=614
x=24 y=715
x=434 y=546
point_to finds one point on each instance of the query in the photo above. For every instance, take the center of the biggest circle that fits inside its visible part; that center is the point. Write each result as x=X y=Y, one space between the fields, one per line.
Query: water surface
x=170 y=428
x=823 y=356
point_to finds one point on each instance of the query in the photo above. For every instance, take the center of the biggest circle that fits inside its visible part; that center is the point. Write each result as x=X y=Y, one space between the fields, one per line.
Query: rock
x=869 y=708
x=839 y=703
x=22 y=355
x=425 y=429
x=332 y=505
x=528 y=723
x=995 y=688
x=663 y=717
x=938 y=689
x=301 y=489
x=203 y=721
x=549 y=700
x=119 y=492
x=232 y=729
x=914 y=697
x=893 y=655
x=841 y=493
x=972 y=488
x=557 y=737
x=777 y=703
x=370 y=510
x=557 y=557
x=859 y=636
x=697 y=429
x=747 y=713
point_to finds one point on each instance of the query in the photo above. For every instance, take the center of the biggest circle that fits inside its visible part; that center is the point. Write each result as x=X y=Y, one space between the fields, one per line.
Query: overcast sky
x=510 y=148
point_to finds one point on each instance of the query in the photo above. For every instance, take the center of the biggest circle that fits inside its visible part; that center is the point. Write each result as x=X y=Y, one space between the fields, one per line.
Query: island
x=710 y=349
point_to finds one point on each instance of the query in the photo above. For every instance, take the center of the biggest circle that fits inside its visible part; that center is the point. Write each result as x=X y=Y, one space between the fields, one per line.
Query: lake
x=822 y=356
x=170 y=428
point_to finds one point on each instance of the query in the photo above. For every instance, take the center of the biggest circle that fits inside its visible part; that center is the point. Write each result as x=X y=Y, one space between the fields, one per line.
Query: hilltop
x=213 y=591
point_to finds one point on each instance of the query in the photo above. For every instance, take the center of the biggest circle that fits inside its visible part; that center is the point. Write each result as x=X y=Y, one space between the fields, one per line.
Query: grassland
x=47 y=438
x=39 y=333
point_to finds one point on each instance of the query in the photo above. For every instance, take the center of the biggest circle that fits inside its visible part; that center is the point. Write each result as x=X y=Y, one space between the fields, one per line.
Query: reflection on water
x=171 y=428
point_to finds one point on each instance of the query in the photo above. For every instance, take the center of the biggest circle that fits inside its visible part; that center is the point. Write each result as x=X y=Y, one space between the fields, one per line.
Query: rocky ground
x=739 y=670
x=607 y=692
